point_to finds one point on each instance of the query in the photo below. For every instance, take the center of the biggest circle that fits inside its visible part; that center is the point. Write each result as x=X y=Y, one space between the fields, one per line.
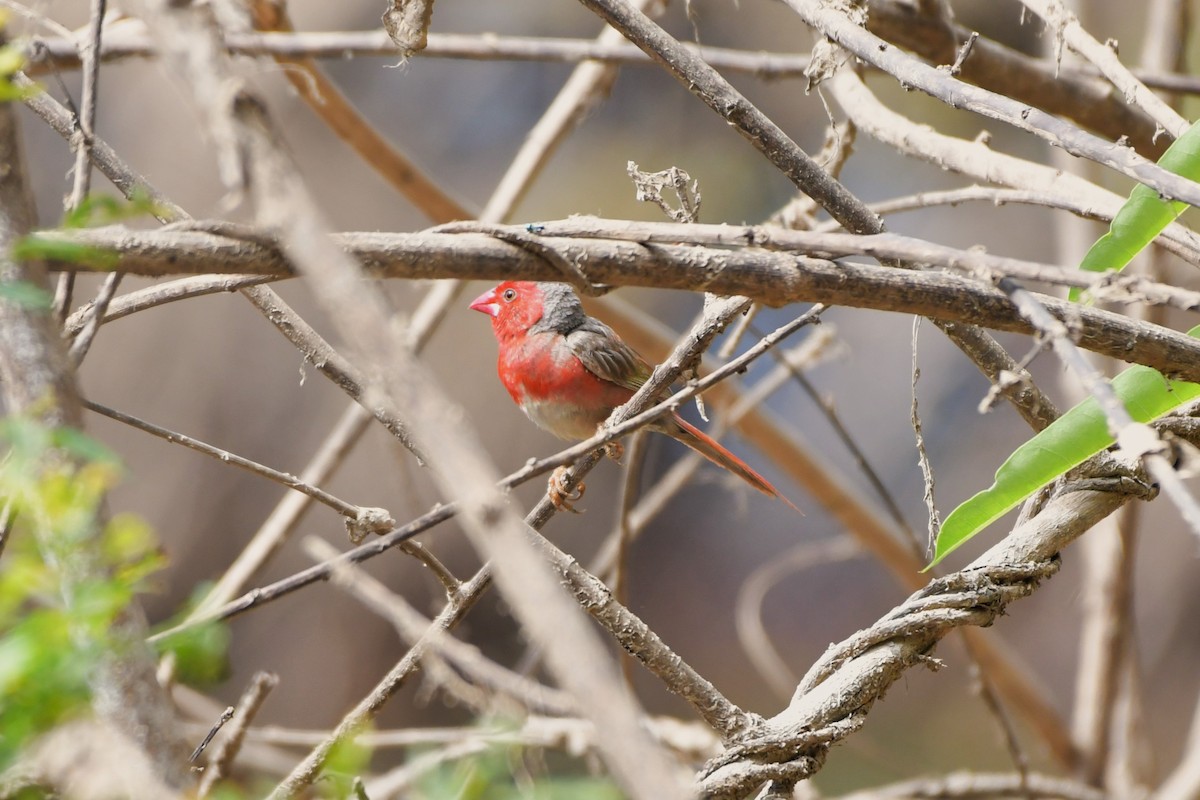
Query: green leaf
x=104 y=209
x=1144 y=214
x=83 y=447
x=201 y=651
x=12 y=59
x=27 y=295
x=347 y=760
x=1066 y=443
x=34 y=247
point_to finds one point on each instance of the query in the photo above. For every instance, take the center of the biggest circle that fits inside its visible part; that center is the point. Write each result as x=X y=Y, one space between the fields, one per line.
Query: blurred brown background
x=215 y=369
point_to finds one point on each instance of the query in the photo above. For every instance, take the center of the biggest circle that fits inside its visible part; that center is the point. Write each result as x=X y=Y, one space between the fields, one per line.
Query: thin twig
x=978 y=785
x=445 y=655
x=81 y=140
x=221 y=759
x=748 y=610
x=103 y=157
x=160 y=294
x=226 y=715
x=328 y=361
x=790 y=363
x=286 y=516
x=935 y=519
x=1174 y=238
x=450 y=584
x=1012 y=744
x=61 y=51
x=348 y=510
x=329 y=104
x=913 y=73
x=134 y=43
x=1066 y=28
x=94 y=316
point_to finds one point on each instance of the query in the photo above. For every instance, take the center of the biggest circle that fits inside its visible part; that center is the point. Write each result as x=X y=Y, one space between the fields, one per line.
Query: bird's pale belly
x=565 y=420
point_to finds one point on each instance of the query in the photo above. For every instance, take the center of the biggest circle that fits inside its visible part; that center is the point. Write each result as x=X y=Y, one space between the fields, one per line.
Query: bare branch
x=913 y=73
x=1066 y=28
x=132 y=42
x=847 y=680
x=488 y=687
x=81 y=142
x=354 y=515
x=335 y=110
x=1072 y=93
x=978 y=160
x=773 y=278
x=980 y=785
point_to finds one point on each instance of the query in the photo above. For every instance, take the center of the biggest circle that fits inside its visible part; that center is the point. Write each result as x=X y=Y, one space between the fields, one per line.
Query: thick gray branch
x=769 y=277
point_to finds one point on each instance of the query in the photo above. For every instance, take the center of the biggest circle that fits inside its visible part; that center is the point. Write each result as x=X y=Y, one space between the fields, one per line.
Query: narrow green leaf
x=202 y=651
x=1144 y=214
x=103 y=209
x=84 y=447
x=34 y=247
x=1066 y=443
x=27 y=295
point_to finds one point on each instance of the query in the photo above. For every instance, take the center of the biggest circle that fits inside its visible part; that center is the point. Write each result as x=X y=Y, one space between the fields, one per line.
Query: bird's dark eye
x=509 y=295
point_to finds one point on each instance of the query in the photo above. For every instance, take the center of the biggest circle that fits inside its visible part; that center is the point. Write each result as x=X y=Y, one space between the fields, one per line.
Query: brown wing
x=604 y=355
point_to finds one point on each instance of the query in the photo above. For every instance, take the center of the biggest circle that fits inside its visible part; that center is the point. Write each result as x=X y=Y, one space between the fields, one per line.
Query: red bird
x=568 y=371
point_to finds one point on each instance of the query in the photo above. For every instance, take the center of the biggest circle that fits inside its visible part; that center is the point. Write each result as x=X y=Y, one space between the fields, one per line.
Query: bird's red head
x=514 y=306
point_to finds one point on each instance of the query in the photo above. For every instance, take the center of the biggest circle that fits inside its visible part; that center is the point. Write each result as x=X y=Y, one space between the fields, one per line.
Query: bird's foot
x=560 y=495
x=613 y=450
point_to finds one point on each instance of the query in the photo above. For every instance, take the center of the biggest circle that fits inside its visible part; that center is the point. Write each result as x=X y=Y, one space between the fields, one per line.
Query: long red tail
x=706 y=446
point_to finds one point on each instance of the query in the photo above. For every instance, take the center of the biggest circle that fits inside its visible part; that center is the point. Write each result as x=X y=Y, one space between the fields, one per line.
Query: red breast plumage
x=568 y=371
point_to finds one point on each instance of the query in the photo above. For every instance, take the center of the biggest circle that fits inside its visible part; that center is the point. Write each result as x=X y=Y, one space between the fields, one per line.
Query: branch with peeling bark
x=769 y=277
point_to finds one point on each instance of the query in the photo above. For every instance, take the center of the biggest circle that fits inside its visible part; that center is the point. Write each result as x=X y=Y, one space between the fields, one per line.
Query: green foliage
x=347 y=761
x=1082 y=432
x=227 y=791
x=201 y=651
x=38 y=247
x=26 y=295
x=96 y=209
x=102 y=209
x=56 y=620
x=489 y=776
x=1066 y=443
x=1144 y=214
x=11 y=61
